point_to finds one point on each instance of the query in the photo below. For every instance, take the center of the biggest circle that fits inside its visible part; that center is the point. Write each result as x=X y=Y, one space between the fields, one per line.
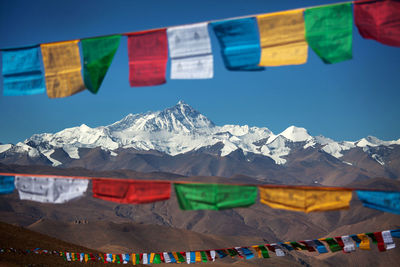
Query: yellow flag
x=282 y=38
x=133 y=258
x=86 y=257
x=258 y=250
x=62 y=65
x=198 y=256
x=152 y=255
x=364 y=242
x=305 y=199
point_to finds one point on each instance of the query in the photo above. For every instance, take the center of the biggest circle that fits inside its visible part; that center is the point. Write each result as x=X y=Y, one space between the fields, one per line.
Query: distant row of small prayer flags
x=247 y=44
x=345 y=243
x=196 y=196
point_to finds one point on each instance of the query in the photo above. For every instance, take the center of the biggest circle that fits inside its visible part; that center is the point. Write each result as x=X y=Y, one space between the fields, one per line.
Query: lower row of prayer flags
x=197 y=196
x=247 y=44
x=346 y=244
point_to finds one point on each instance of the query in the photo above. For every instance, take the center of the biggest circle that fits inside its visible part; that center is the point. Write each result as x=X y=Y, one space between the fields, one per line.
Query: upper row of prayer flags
x=197 y=196
x=247 y=44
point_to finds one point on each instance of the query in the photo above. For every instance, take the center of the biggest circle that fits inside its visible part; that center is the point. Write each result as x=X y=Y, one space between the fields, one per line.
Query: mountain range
x=183 y=141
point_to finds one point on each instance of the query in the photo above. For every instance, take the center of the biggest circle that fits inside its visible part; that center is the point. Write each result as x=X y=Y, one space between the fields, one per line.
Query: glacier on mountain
x=181 y=129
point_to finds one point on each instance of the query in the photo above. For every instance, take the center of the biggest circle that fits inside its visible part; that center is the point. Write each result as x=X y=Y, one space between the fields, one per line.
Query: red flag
x=379 y=20
x=340 y=242
x=379 y=239
x=131 y=191
x=148 y=56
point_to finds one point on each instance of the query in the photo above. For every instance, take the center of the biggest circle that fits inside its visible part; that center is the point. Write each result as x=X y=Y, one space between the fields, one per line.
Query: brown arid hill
x=22 y=239
x=162 y=225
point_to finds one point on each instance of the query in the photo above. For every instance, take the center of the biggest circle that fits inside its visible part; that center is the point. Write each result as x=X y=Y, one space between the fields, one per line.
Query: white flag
x=190 y=52
x=50 y=190
x=388 y=240
x=213 y=254
x=167 y=259
x=348 y=244
x=145 y=259
x=188 y=257
x=279 y=252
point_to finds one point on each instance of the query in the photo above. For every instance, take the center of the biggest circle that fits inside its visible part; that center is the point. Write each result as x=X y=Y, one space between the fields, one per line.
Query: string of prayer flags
x=131 y=191
x=148 y=56
x=379 y=200
x=198 y=196
x=190 y=52
x=282 y=38
x=240 y=44
x=329 y=31
x=62 y=64
x=22 y=74
x=98 y=54
x=50 y=190
x=306 y=200
x=378 y=20
x=6 y=184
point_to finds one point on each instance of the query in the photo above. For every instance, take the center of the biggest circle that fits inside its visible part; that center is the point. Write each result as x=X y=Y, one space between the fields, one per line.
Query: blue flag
x=384 y=201
x=6 y=184
x=240 y=43
x=248 y=253
x=320 y=246
x=22 y=74
x=395 y=233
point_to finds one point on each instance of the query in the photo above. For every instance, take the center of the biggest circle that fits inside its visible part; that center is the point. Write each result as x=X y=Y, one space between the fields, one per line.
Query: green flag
x=157 y=258
x=214 y=196
x=98 y=54
x=329 y=31
x=264 y=251
x=333 y=245
x=203 y=256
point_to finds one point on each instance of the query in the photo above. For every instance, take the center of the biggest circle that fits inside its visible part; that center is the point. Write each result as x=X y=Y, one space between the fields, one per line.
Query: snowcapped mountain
x=181 y=129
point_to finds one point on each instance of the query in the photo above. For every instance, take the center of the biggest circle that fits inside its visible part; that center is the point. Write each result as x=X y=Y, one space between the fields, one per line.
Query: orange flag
x=62 y=66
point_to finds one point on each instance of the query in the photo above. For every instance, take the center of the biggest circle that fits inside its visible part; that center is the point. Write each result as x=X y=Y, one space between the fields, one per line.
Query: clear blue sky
x=344 y=101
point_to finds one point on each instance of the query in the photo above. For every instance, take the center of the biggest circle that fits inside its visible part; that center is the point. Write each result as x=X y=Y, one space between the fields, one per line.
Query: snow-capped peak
x=296 y=134
x=373 y=141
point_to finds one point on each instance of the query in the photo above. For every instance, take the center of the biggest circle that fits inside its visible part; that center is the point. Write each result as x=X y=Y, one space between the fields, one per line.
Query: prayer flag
x=306 y=200
x=50 y=190
x=333 y=245
x=157 y=258
x=320 y=247
x=348 y=244
x=192 y=257
x=247 y=253
x=309 y=245
x=6 y=184
x=203 y=256
x=62 y=65
x=131 y=191
x=395 y=233
x=340 y=242
x=214 y=196
x=373 y=238
x=240 y=252
x=98 y=54
x=329 y=31
x=278 y=251
x=172 y=257
x=152 y=257
x=221 y=253
x=287 y=246
x=22 y=74
x=190 y=52
x=167 y=259
x=148 y=56
x=384 y=201
x=145 y=259
x=356 y=239
x=125 y=258
x=297 y=246
x=232 y=252
x=379 y=239
x=282 y=38
x=188 y=257
x=261 y=251
x=388 y=240
x=197 y=256
x=240 y=43
x=364 y=242
x=181 y=256
x=213 y=254
x=378 y=20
